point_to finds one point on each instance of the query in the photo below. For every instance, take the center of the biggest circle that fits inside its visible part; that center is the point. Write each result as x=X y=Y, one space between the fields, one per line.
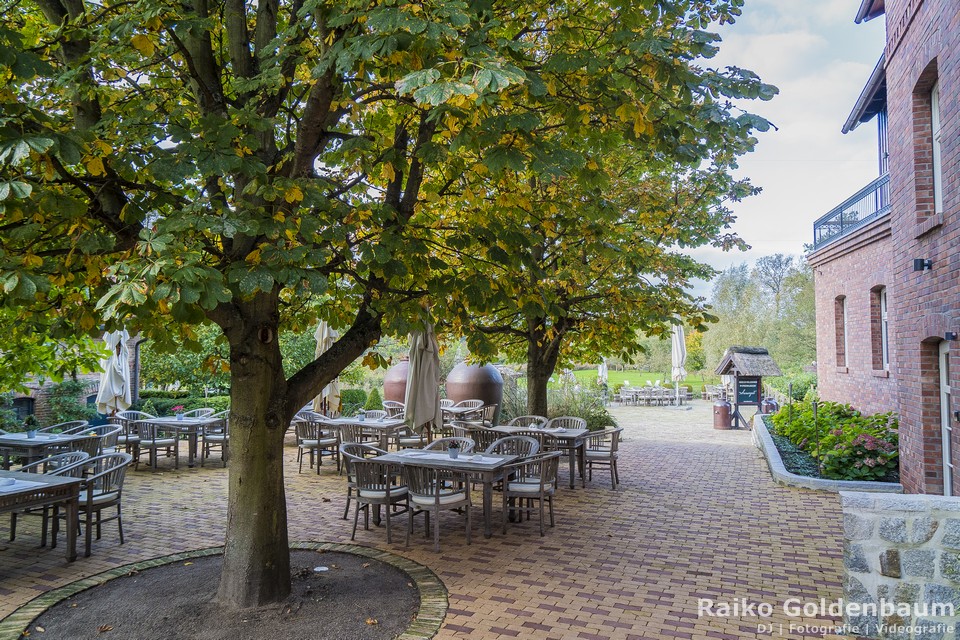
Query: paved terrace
x=696 y=516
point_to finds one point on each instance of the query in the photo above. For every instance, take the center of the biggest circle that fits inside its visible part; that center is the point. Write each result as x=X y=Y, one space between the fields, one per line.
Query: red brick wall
x=853 y=268
x=926 y=304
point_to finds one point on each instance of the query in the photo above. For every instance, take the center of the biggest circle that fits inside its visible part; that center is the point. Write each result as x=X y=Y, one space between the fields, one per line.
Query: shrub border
x=426 y=623
x=763 y=441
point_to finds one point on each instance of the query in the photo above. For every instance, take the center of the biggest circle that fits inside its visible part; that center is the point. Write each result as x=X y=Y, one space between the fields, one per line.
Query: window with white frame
x=937 y=162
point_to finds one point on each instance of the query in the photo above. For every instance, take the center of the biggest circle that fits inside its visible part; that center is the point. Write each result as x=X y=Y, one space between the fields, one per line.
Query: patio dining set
x=395 y=470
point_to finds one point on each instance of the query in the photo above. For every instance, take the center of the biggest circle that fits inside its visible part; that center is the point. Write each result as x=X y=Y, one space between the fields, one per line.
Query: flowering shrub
x=851 y=446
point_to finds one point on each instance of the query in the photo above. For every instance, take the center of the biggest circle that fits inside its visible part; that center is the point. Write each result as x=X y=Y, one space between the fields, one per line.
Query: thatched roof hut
x=748 y=361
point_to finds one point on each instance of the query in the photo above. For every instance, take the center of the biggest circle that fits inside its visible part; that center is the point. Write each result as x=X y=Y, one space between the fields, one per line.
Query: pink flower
x=870 y=462
x=176 y=409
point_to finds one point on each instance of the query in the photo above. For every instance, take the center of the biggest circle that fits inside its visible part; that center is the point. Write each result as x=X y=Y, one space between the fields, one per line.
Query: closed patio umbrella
x=422 y=398
x=329 y=398
x=602 y=373
x=115 y=393
x=678 y=353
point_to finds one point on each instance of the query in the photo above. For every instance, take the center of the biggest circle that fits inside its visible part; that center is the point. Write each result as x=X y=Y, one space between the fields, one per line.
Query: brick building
x=886 y=261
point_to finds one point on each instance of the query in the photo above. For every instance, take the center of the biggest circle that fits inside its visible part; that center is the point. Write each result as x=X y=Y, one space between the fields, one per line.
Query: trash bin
x=721 y=414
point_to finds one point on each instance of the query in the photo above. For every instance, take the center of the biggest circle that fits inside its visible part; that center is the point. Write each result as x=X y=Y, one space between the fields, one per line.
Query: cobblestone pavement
x=697 y=517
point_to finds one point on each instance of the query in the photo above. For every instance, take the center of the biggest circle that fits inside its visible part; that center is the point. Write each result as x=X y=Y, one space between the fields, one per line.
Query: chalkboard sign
x=748 y=391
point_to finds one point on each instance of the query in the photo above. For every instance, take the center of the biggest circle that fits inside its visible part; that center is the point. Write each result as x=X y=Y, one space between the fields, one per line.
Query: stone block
x=918 y=563
x=893 y=529
x=938 y=594
x=932 y=630
x=856 y=500
x=951 y=533
x=857 y=527
x=906 y=592
x=922 y=529
x=950 y=565
x=854 y=558
x=890 y=563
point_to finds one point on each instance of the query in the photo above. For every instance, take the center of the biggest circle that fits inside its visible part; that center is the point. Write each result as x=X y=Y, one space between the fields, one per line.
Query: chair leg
x=409 y=525
x=613 y=477
x=387 y=508
x=540 y=503
x=469 y=523
x=550 y=498
x=119 y=523
x=13 y=526
x=346 y=511
x=436 y=534
x=356 y=516
x=88 y=533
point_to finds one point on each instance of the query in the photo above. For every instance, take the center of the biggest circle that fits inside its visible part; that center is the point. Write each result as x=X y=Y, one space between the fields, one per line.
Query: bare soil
x=356 y=598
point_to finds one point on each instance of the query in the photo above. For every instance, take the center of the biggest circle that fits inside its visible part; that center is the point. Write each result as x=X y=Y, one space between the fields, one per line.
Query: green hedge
x=851 y=446
x=352 y=400
x=151 y=394
x=164 y=406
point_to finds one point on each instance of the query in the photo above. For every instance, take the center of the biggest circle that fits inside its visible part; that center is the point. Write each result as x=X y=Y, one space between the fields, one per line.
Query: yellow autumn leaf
x=254 y=257
x=31 y=260
x=95 y=166
x=592 y=165
x=143 y=44
x=103 y=147
x=387 y=172
x=154 y=24
x=293 y=194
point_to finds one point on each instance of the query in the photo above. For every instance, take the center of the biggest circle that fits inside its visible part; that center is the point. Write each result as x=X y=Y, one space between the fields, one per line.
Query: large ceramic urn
x=395 y=382
x=475 y=382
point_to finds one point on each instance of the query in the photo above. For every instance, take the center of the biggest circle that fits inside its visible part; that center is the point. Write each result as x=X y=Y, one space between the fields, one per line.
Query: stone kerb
x=763 y=441
x=901 y=565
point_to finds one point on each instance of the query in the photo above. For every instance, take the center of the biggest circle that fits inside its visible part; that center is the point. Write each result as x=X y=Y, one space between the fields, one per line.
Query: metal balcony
x=865 y=205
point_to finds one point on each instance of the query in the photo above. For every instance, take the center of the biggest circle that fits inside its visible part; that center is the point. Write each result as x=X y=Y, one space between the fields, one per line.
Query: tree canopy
x=261 y=164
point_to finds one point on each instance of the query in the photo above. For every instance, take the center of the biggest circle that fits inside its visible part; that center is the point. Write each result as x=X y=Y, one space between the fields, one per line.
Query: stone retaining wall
x=902 y=554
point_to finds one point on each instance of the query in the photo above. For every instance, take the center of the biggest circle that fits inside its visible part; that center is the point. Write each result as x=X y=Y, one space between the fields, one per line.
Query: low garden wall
x=902 y=565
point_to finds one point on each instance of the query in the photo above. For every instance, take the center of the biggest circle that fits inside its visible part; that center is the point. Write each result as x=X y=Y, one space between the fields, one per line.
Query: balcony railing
x=865 y=205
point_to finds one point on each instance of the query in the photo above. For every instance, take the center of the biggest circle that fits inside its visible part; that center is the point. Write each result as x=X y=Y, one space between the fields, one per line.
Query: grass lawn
x=640 y=378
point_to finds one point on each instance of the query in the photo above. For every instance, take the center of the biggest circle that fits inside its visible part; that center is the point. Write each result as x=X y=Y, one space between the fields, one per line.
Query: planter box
x=763 y=441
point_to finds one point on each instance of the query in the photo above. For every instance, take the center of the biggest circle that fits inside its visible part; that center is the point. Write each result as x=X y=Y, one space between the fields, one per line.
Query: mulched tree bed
x=355 y=598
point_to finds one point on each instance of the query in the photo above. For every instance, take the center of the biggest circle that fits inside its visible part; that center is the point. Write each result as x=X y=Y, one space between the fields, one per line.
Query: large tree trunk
x=541 y=363
x=256 y=560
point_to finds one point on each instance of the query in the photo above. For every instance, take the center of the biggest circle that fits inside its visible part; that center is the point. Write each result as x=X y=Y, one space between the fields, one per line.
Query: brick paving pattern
x=696 y=516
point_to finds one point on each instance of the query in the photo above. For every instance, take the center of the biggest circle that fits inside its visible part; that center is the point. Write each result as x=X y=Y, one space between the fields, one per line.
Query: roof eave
x=865 y=108
x=869 y=9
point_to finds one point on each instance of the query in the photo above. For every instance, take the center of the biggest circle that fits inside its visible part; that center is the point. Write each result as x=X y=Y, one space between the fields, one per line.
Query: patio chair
x=527 y=421
x=62 y=464
x=482 y=437
x=64 y=427
x=376 y=414
x=100 y=490
x=311 y=437
x=466 y=444
x=533 y=479
x=393 y=408
x=153 y=438
x=129 y=438
x=445 y=402
x=602 y=451
x=351 y=452
x=522 y=446
x=104 y=438
x=377 y=484
x=216 y=436
x=407 y=438
x=470 y=404
x=199 y=413
x=433 y=491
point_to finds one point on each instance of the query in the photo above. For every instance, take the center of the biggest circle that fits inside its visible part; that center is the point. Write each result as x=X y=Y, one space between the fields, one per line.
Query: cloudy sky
x=820 y=60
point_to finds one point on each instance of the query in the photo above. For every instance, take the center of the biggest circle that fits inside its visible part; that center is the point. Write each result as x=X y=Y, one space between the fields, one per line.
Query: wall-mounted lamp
x=922 y=264
x=950 y=335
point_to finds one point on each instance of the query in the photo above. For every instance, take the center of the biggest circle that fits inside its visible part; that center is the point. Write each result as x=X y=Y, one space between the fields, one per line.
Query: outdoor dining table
x=572 y=441
x=38 y=490
x=385 y=427
x=33 y=449
x=483 y=467
x=191 y=427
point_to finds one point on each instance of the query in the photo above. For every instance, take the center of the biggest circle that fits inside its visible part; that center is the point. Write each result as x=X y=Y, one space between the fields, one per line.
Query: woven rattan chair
x=64 y=427
x=532 y=479
x=602 y=451
x=432 y=491
x=393 y=408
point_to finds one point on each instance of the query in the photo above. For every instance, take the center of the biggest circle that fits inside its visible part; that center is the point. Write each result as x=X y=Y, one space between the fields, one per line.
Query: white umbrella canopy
x=602 y=373
x=330 y=395
x=678 y=353
x=422 y=398
x=115 y=393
